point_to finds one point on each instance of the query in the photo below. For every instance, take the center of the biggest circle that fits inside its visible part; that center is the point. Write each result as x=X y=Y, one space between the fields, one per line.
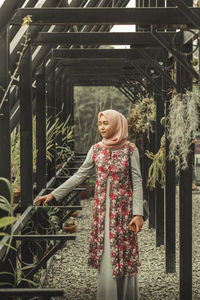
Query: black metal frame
x=171 y=18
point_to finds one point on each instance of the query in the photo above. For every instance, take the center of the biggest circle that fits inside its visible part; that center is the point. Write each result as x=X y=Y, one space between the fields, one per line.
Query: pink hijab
x=119 y=126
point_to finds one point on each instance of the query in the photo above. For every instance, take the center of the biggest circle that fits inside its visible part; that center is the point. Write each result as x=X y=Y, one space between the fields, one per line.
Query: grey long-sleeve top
x=86 y=170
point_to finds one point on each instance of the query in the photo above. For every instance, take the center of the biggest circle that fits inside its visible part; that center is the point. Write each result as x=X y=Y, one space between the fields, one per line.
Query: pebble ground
x=69 y=269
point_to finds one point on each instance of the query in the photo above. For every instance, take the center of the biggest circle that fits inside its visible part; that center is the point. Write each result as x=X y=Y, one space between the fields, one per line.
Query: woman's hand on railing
x=44 y=199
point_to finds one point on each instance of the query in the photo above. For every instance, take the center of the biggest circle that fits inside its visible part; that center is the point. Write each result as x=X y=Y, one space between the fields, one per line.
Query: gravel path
x=69 y=269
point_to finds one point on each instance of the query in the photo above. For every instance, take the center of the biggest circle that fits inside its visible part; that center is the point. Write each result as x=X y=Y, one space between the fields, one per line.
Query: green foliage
x=89 y=101
x=7 y=206
x=53 y=131
x=15 y=157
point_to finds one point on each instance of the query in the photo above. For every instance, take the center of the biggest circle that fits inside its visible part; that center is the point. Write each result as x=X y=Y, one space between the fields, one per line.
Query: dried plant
x=182 y=125
x=156 y=172
x=15 y=158
x=139 y=121
x=26 y=22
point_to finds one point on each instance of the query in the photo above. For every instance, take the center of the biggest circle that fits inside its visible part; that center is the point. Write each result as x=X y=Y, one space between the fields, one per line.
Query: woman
x=113 y=246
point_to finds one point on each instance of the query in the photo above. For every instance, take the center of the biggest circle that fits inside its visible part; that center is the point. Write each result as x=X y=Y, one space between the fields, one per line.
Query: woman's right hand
x=44 y=199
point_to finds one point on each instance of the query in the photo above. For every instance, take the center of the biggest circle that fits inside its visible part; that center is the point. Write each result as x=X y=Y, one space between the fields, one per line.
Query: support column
x=40 y=131
x=26 y=145
x=5 y=164
x=170 y=188
x=184 y=81
x=69 y=104
x=51 y=113
x=59 y=104
x=145 y=166
x=151 y=193
x=170 y=201
x=159 y=192
x=4 y=115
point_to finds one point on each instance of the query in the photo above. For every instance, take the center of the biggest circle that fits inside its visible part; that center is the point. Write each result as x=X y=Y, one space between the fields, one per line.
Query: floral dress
x=113 y=247
x=123 y=242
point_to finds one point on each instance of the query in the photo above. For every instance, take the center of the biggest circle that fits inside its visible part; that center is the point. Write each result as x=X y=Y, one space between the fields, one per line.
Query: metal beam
x=109 y=62
x=33 y=31
x=104 y=38
x=31 y=237
x=139 y=16
x=121 y=89
x=148 y=77
x=34 y=292
x=189 y=14
x=105 y=53
x=188 y=67
x=158 y=67
x=100 y=71
x=7 y=10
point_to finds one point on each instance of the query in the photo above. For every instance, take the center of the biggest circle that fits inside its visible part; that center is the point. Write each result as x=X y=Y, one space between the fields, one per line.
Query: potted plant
x=70 y=226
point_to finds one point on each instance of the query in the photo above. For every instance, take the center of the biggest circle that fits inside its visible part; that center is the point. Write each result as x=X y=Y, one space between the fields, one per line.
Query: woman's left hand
x=138 y=221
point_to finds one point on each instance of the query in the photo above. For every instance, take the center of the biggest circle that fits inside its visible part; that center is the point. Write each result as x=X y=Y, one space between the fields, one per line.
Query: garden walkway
x=69 y=268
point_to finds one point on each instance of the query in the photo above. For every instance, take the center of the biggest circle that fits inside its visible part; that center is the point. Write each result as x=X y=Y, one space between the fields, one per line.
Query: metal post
x=26 y=145
x=5 y=165
x=51 y=113
x=170 y=202
x=59 y=106
x=40 y=131
x=170 y=190
x=159 y=190
x=151 y=193
x=4 y=114
x=145 y=166
x=68 y=109
x=184 y=81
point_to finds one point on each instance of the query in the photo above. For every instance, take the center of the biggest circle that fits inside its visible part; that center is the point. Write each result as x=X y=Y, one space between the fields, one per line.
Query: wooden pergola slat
x=138 y=16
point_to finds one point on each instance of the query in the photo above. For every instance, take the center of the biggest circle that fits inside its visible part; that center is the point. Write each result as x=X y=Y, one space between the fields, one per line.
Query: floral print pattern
x=123 y=242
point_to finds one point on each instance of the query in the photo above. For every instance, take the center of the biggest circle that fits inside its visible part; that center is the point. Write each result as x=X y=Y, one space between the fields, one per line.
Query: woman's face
x=104 y=127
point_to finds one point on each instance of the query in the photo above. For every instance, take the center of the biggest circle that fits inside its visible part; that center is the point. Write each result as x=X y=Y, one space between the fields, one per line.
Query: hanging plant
x=182 y=125
x=140 y=120
x=156 y=172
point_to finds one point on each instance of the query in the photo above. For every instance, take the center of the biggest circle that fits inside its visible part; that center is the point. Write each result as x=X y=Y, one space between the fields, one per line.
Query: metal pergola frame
x=66 y=68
